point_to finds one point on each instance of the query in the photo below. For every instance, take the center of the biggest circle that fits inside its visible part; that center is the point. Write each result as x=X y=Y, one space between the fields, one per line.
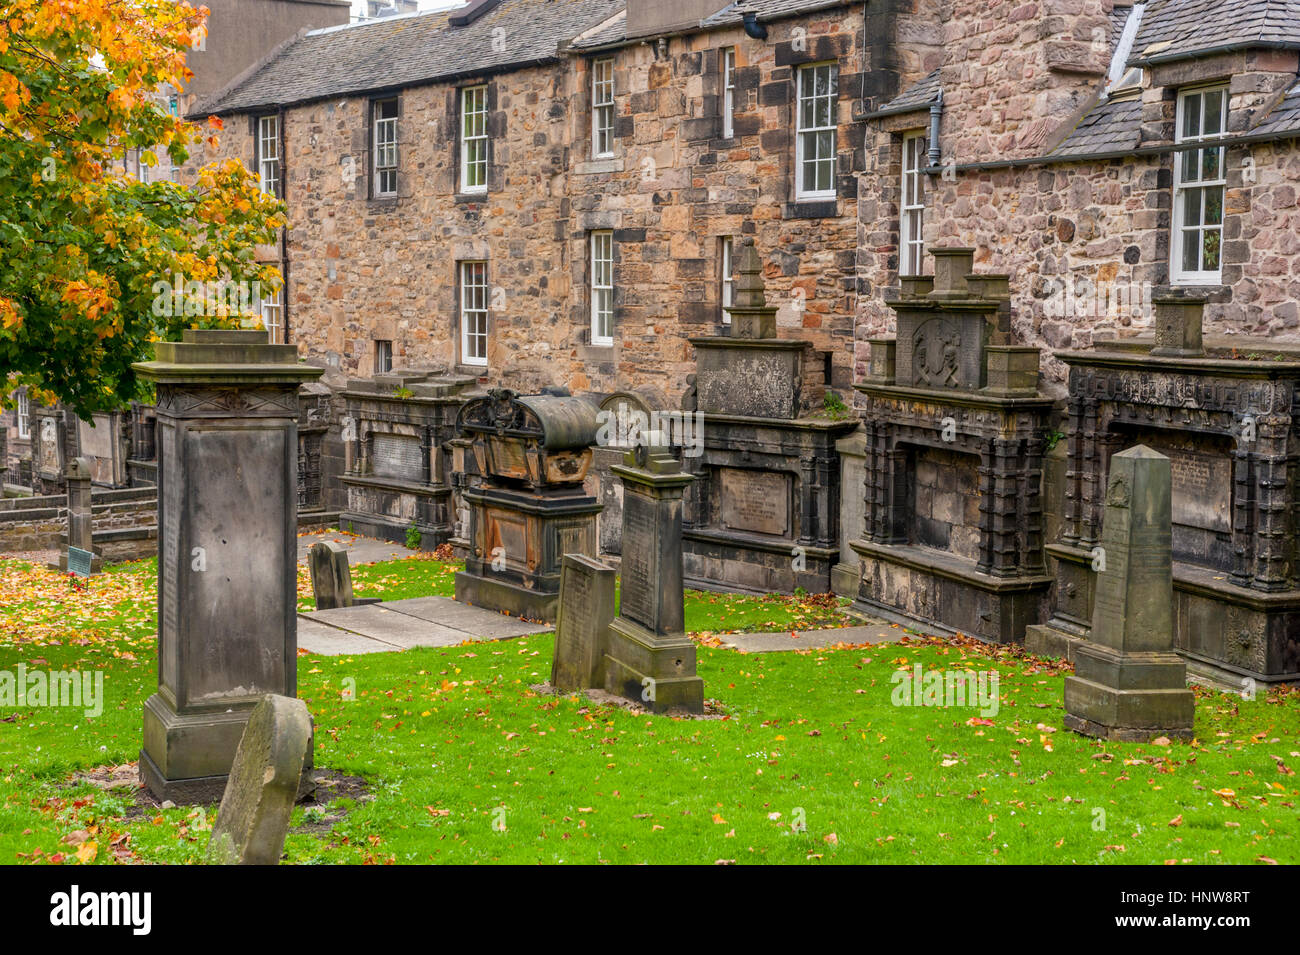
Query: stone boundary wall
x=121 y=518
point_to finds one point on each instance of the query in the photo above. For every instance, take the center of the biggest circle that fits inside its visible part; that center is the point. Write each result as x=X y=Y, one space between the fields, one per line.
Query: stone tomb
x=227 y=534
x=532 y=454
x=1229 y=428
x=954 y=432
x=649 y=658
x=398 y=465
x=1128 y=683
x=763 y=514
x=585 y=610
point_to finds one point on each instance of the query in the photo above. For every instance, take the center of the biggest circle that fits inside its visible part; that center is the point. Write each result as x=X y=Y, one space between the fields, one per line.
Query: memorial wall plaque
x=1202 y=490
x=755 y=501
x=397 y=456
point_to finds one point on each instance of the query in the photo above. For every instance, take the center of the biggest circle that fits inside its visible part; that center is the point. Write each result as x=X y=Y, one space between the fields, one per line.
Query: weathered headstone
x=79 y=557
x=254 y=815
x=331 y=577
x=1128 y=682
x=586 y=609
x=649 y=658
x=227 y=550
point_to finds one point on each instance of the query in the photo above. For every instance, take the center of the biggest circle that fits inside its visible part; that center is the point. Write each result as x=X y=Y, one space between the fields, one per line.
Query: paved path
x=361 y=550
x=403 y=624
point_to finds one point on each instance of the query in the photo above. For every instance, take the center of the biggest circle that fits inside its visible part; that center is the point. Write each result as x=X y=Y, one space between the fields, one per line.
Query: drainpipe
x=936 y=114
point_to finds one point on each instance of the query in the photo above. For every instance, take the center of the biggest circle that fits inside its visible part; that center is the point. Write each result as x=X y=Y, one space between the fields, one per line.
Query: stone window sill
x=464 y=197
x=811 y=209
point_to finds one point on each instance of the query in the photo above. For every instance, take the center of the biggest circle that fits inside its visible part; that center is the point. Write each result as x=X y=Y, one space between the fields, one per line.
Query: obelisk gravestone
x=1128 y=683
x=227 y=569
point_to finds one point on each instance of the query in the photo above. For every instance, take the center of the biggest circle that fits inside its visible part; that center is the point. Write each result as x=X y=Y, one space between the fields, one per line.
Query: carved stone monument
x=763 y=514
x=1229 y=426
x=585 y=611
x=395 y=430
x=649 y=657
x=264 y=782
x=532 y=454
x=1128 y=683
x=227 y=570
x=955 y=432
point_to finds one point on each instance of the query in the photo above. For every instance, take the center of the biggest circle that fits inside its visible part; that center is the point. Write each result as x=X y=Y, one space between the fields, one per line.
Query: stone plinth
x=1128 y=682
x=227 y=573
x=80 y=513
x=649 y=657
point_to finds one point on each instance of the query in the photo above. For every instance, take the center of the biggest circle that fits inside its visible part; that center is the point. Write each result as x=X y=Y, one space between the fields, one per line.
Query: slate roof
x=1285 y=117
x=1112 y=126
x=730 y=15
x=408 y=50
x=1175 y=29
x=917 y=96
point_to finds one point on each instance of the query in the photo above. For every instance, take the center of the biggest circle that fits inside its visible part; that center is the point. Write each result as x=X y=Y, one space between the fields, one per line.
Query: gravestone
x=585 y=611
x=1128 y=683
x=649 y=657
x=331 y=577
x=79 y=557
x=258 y=801
x=227 y=550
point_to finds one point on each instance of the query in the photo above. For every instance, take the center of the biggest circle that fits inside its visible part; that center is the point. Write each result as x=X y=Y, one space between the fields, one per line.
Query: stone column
x=1128 y=683
x=80 y=515
x=227 y=558
x=649 y=657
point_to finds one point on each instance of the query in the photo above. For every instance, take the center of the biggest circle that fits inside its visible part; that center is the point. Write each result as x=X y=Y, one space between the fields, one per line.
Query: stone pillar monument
x=649 y=658
x=80 y=522
x=1129 y=684
x=227 y=523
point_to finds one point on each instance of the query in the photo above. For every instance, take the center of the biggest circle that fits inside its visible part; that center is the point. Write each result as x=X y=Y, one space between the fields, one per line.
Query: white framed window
x=602 y=107
x=728 y=91
x=385 y=147
x=473 y=139
x=817 y=128
x=383 y=356
x=473 y=313
x=728 y=279
x=1199 y=183
x=602 y=288
x=272 y=309
x=23 y=413
x=911 y=208
x=268 y=154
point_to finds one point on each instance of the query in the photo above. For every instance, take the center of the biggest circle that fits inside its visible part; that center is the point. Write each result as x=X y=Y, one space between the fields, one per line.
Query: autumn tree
x=85 y=246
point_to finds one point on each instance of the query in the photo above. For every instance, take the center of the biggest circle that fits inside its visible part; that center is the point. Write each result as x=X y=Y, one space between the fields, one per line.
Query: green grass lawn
x=809 y=760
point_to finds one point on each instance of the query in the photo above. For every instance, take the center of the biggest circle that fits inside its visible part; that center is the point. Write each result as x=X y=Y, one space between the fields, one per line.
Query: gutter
x=1236 y=45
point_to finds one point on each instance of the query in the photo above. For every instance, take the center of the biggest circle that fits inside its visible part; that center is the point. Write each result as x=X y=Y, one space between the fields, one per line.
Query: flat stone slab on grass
x=318 y=637
x=810 y=639
x=403 y=624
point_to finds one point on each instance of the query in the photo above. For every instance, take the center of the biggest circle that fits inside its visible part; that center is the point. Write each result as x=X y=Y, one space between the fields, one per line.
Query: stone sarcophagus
x=763 y=511
x=954 y=432
x=397 y=465
x=529 y=507
x=1230 y=429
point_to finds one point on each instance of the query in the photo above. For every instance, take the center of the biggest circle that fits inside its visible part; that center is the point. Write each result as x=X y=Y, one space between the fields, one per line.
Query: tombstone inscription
x=585 y=611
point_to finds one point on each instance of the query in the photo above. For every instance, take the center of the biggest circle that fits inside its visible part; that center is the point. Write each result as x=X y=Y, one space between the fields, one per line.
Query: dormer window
x=1199 y=184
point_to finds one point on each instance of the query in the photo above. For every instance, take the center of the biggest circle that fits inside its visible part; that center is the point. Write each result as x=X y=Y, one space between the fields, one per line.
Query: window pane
x=1213 y=203
x=1192 y=207
x=1191 y=245
x=1213 y=112
x=1211 y=246
x=1192 y=115
x=1210 y=163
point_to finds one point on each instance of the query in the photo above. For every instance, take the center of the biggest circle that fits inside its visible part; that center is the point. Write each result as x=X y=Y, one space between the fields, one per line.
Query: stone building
x=1094 y=151
x=547 y=192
